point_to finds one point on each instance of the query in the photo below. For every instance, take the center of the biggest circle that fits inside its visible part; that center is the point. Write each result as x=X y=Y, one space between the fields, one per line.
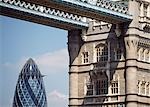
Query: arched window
x=140 y=54
x=146 y=53
x=101 y=53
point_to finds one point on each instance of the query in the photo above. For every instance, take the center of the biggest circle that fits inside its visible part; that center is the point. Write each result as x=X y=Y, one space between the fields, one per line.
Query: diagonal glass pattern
x=30 y=90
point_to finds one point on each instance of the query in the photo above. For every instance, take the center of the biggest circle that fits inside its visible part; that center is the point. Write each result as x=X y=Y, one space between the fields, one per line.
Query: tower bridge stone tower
x=110 y=64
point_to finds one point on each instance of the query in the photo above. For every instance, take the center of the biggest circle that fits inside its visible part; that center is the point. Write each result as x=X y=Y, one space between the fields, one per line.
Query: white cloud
x=14 y=66
x=53 y=61
x=57 y=99
x=48 y=62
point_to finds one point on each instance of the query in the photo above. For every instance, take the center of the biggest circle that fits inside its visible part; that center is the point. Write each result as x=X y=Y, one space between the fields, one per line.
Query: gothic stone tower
x=110 y=64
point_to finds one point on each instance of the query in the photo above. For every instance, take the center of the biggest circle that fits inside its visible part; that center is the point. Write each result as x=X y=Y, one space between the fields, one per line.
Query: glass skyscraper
x=30 y=90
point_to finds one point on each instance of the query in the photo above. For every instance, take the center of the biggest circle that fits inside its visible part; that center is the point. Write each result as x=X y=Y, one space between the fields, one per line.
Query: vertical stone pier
x=131 y=43
x=131 y=71
x=74 y=45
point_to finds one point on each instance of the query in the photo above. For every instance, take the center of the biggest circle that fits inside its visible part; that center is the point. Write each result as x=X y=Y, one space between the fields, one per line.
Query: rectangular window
x=85 y=57
x=98 y=54
x=147 y=56
x=114 y=87
x=145 y=9
x=89 y=89
x=118 y=54
x=101 y=87
x=138 y=87
x=147 y=89
x=143 y=88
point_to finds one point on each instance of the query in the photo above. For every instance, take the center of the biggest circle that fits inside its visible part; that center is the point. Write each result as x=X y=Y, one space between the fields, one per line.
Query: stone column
x=131 y=44
x=74 y=45
x=73 y=89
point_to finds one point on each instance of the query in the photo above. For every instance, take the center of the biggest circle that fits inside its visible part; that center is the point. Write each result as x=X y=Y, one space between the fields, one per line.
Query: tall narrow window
x=101 y=84
x=101 y=87
x=147 y=89
x=138 y=55
x=143 y=87
x=85 y=57
x=138 y=87
x=147 y=56
x=114 y=87
x=89 y=88
x=104 y=54
x=142 y=56
x=98 y=54
x=118 y=53
x=145 y=9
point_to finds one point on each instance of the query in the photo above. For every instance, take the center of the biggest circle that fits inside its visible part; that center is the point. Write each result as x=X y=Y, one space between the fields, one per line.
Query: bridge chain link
x=45 y=10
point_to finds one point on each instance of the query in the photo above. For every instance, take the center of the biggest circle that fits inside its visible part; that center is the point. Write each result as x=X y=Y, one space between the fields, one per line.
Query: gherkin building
x=30 y=90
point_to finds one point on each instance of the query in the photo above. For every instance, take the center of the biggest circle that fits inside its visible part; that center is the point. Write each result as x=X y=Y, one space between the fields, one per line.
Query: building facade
x=30 y=90
x=110 y=64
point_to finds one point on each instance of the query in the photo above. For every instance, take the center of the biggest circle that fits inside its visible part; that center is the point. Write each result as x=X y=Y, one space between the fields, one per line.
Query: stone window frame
x=143 y=55
x=140 y=54
x=97 y=86
x=146 y=55
x=90 y=88
x=101 y=52
x=114 y=87
x=101 y=86
x=138 y=86
x=143 y=88
x=85 y=57
x=145 y=9
x=147 y=88
x=117 y=54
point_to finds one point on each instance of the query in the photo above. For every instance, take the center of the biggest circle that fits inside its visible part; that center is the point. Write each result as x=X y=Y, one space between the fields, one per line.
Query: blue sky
x=20 y=40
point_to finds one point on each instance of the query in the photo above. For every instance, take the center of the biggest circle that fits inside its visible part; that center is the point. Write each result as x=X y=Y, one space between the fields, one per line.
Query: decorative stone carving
x=108 y=4
x=131 y=47
x=45 y=10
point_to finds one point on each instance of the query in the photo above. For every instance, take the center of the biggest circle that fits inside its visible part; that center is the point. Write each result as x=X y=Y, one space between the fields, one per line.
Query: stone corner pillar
x=133 y=8
x=74 y=46
x=131 y=43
